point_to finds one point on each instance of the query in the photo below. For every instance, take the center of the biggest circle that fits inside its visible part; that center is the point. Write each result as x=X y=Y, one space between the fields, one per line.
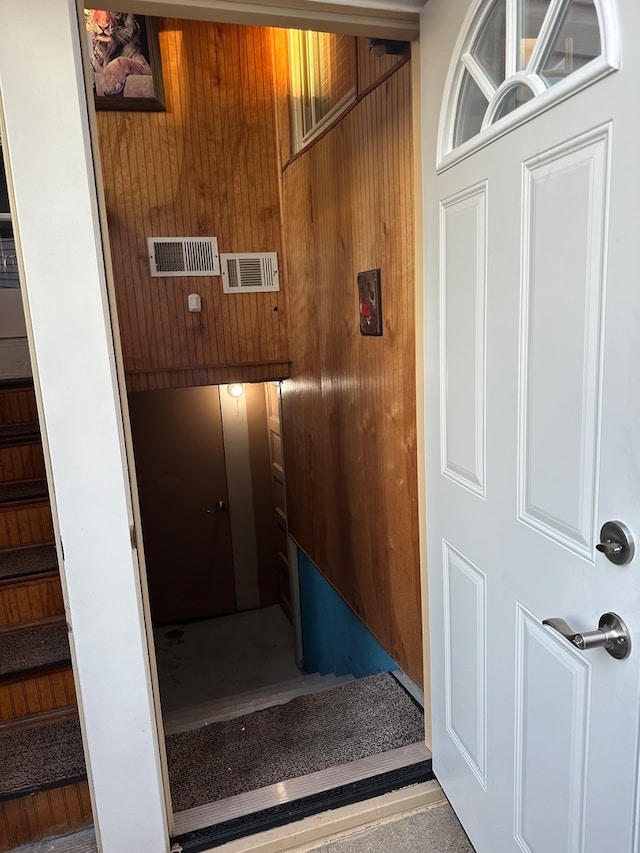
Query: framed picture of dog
x=125 y=60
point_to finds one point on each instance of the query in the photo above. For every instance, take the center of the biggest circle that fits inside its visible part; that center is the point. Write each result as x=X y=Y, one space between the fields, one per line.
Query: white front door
x=533 y=426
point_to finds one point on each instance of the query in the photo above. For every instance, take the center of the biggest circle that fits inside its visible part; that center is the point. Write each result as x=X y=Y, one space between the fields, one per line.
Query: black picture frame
x=151 y=51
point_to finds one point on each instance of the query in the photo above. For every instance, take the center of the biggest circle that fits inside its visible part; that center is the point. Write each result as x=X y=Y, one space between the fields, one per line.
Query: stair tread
x=231 y=707
x=19 y=433
x=32 y=560
x=33 y=648
x=23 y=490
x=37 y=759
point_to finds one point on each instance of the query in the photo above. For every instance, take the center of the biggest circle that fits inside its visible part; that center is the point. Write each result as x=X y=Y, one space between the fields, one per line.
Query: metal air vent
x=169 y=256
x=250 y=272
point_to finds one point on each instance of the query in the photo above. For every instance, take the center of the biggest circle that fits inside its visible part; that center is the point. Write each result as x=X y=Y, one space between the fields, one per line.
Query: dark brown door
x=179 y=455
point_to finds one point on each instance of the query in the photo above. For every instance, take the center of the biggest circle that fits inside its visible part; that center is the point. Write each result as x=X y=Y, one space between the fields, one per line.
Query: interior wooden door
x=179 y=456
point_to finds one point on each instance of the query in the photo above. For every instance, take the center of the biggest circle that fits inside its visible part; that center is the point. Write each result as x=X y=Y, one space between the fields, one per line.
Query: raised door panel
x=565 y=193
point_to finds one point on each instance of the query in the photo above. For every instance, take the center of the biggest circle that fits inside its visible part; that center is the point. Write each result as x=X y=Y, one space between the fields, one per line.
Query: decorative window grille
x=516 y=58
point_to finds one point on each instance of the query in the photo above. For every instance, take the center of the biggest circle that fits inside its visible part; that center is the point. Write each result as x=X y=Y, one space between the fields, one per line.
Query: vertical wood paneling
x=36 y=693
x=349 y=407
x=27 y=602
x=371 y=68
x=44 y=814
x=17 y=406
x=206 y=166
x=22 y=462
x=25 y=524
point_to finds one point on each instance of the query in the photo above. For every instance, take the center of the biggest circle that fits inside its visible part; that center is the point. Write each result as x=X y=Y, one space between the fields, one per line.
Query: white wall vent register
x=250 y=272
x=169 y=256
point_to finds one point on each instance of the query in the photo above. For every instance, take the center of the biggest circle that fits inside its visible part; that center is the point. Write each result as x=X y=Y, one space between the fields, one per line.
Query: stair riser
x=17 y=406
x=25 y=524
x=22 y=462
x=30 y=602
x=36 y=694
x=47 y=813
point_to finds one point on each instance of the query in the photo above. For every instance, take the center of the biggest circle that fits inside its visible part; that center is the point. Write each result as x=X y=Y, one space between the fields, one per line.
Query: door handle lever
x=611 y=634
x=219 y=506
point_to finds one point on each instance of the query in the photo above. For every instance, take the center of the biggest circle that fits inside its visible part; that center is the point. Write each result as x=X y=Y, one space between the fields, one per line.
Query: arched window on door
x=515 y=58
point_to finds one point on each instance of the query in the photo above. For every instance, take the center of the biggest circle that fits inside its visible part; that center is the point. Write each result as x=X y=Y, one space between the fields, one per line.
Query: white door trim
x=374 y=18
x=76 y=367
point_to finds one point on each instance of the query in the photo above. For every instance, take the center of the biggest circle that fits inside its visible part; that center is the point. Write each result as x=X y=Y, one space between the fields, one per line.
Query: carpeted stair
x=23 y=490
x=39 y=759
x=21 y=433
x=29 y=560
x=38 y=714
x=34 y=649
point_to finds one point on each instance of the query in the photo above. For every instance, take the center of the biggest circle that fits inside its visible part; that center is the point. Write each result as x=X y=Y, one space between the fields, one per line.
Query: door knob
x=611 y=635
x=219 y=506
x=616 y=543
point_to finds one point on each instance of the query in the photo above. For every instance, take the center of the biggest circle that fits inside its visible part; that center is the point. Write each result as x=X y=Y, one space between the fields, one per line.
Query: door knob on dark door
x=219 y=506
x=611 y=634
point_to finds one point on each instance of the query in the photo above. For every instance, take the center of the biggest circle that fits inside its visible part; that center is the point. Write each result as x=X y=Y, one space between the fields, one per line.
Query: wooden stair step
x=21 y=433
x=32 y=560
x=37 y=698
x=57 y=811
x=22 y=461
x=25 y=523
x=17 y=403
x=28 y=602
x=23 y=490
x=33 y=649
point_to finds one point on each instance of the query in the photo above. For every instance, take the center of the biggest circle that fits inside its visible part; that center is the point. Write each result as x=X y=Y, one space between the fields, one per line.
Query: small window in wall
x=8 y=260
x=323 y=81
x=516 y=58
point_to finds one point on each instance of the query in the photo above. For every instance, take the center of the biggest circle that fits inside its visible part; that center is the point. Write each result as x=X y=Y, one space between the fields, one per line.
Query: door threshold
x=205 y=827
x=335 y=823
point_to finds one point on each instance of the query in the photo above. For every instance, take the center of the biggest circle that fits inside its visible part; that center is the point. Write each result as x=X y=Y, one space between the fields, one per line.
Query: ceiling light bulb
x=236 y=389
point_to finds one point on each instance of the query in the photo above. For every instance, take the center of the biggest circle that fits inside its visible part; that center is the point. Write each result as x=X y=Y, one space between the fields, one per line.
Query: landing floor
x=214 y=658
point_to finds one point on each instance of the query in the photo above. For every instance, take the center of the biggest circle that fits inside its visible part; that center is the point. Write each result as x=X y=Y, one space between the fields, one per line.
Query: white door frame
x=78 y=375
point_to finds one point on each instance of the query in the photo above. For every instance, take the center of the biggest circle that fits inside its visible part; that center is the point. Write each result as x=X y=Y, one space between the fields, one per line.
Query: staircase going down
x=37 y=696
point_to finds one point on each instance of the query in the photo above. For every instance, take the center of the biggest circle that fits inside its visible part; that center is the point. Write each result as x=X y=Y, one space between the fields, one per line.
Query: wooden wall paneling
x=36 y=693
x=281 y=87
x=25 y=524
x=206 y=166
x=349 y=406
x=31 y=602
x=371 y=68
x=44 y=814
x=17 y=406
x=157 y=380
x=22 y=462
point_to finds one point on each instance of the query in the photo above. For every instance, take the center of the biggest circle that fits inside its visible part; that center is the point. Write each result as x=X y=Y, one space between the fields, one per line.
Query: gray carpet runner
x=33 y=648
x=33 y=759
x=23 y=490
x=356 y=720
x=36 y=559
